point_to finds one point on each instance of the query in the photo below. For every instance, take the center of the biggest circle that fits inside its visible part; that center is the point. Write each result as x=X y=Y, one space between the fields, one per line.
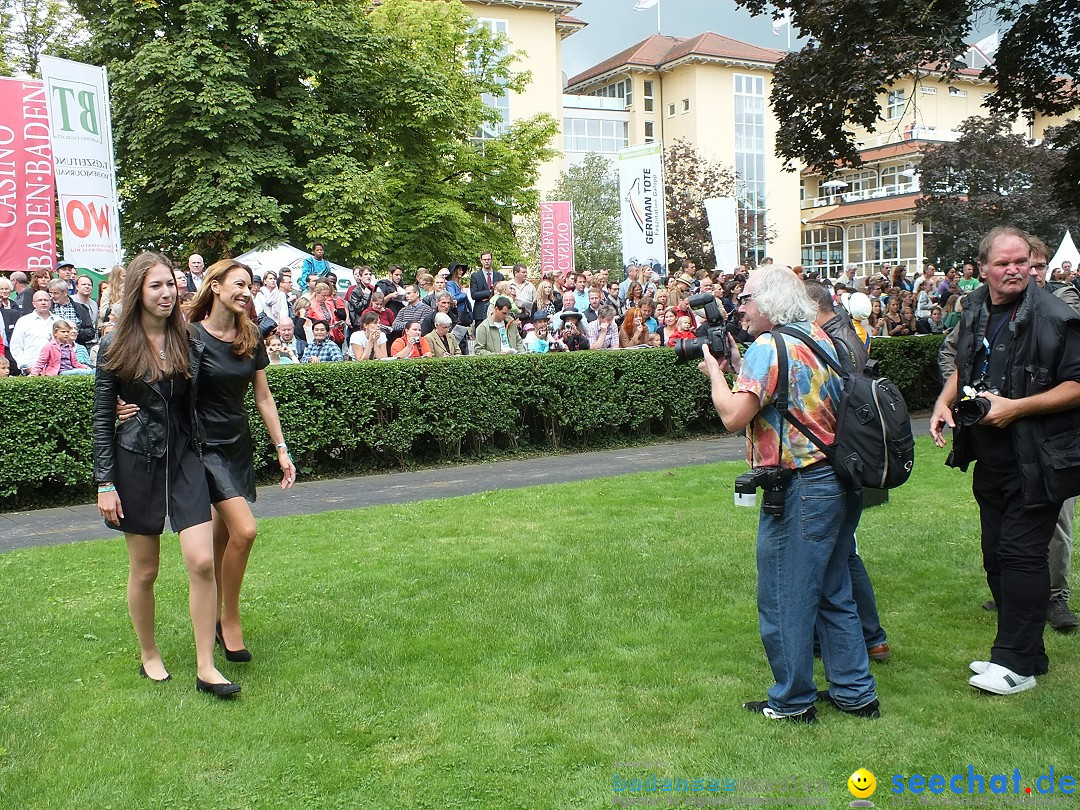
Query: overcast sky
x=614 y=26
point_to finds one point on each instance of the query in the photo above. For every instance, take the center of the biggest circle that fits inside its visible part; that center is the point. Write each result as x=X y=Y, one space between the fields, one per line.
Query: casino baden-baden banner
x=641 y=197
x=81 y=128
x=557 y=237
x=27 y=212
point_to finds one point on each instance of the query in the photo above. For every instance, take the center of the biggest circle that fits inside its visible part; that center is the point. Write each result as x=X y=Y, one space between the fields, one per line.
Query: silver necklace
x=161 y=354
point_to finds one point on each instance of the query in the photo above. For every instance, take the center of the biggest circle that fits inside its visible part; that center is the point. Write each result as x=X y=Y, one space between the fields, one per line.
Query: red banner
x=27 y=189
x=556 y=238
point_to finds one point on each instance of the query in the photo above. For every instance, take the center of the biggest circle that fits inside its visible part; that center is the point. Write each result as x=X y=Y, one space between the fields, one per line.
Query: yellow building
x=866 y=216
x=711 y=91
x=534 y=30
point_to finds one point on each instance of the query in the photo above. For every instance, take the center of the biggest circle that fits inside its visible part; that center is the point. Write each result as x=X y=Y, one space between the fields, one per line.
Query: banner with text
x=27 y=214
x=81 y=129
x=557 y=237
x=641 y=199
x=724 y=225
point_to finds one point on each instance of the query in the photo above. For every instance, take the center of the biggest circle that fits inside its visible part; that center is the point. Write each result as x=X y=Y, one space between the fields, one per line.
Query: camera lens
x=772 y=501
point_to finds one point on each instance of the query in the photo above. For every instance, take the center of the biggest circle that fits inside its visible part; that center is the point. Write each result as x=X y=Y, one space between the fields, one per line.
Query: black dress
x=223 y=381
x=174 y=484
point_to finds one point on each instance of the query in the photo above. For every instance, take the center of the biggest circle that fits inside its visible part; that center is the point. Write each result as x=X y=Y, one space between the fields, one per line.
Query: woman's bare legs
x=234 y=534
x=143 y=555
x=197 y=548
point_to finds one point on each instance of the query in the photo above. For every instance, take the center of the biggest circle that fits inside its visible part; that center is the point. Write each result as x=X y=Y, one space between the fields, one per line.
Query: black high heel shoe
x=221 y=690
x=241 y=656
x=142 y=671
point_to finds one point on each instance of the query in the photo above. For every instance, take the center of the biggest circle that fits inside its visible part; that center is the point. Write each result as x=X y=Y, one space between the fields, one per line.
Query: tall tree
x=32 y=27
x=593 y=189
x=857 y=49
x=244 y=122
x=689 y=180
x=990 y=176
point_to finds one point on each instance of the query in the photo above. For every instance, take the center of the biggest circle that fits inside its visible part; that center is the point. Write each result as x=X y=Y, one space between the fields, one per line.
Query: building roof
x=868 y=208
x=660 y=51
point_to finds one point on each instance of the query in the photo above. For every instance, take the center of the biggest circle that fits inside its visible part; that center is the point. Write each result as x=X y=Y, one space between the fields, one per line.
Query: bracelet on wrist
x=103 y=490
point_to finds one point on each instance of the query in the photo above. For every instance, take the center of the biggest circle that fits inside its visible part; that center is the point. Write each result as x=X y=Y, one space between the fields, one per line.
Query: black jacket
x=1047 y=446
x=481 y=292
x=146 y=434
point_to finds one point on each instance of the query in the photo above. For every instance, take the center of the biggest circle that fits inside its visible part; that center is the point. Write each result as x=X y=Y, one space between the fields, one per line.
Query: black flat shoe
x=241 y=656
x=142 y=671
x=221 y=690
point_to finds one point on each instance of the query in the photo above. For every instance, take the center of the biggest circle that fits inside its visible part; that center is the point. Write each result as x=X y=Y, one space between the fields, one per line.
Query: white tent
x=1066 y=252
x=282 y=255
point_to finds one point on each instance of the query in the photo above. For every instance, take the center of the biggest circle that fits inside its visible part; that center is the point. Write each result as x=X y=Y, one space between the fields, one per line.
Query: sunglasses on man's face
x=742 y=298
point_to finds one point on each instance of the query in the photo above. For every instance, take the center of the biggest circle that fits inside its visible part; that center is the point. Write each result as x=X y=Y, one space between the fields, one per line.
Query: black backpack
x=874 y=446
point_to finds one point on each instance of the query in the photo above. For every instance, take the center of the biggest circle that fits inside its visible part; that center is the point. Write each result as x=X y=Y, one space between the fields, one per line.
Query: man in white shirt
x=32 y=332
x=196 y=267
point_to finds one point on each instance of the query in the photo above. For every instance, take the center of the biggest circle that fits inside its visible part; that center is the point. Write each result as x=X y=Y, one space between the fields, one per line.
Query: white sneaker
x=1001 y=681
x=979 y=667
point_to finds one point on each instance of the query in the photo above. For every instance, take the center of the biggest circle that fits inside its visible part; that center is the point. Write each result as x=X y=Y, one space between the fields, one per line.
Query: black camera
x=713 y=333
x=772 y=481
x=971 y=408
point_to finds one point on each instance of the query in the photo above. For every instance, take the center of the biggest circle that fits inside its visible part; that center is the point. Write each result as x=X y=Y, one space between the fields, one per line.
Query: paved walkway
x=48 y=527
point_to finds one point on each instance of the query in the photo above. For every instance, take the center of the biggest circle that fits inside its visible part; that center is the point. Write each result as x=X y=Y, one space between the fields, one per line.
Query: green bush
x=352 y=417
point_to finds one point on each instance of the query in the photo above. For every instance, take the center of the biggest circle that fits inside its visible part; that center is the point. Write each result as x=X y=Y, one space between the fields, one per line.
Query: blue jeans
x=865 y=603
x=803 y=579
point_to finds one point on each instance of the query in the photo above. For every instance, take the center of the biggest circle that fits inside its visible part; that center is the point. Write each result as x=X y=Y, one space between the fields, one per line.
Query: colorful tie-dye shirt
x=813 y=395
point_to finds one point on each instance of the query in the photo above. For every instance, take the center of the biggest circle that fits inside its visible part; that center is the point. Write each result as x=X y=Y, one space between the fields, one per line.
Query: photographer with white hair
x=807 y=521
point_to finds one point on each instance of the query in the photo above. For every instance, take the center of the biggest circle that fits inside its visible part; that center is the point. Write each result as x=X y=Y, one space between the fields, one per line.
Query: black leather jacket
x=146 y=434
x=1047 y=446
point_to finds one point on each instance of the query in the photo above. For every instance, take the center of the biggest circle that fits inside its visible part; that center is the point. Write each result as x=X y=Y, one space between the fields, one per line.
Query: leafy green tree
x=244 y=122
x=989 y=177
x=689 y=180
x=593 y=188
x=32 y=27
x=856 y=49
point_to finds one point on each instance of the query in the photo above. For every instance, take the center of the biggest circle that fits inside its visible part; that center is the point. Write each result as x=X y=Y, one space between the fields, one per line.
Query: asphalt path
x=67 y=524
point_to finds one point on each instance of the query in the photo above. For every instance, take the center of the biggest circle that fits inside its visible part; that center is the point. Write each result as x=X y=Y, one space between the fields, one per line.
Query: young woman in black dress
x=147 y=466
x=229 y=356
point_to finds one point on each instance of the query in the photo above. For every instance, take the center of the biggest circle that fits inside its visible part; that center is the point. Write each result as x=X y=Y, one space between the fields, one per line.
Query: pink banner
x=27 y=190
x=556 y=238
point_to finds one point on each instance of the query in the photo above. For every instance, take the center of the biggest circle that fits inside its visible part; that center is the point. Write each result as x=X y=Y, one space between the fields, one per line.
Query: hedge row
x=354 y=417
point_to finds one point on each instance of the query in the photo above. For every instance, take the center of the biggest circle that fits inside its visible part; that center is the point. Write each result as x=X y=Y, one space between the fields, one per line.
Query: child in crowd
x=58 y=356
x=684 y=330
x=279 y=354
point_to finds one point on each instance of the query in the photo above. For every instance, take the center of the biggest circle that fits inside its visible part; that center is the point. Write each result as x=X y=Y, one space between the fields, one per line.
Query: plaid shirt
x=325 y=352
x=611 y=339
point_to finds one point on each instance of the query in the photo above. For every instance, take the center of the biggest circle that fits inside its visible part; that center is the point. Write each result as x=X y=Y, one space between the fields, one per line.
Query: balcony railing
x=840 y=196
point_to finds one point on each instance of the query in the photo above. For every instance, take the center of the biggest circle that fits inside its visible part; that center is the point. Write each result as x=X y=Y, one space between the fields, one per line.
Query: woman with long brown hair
x=147 y=467
x=230 y=357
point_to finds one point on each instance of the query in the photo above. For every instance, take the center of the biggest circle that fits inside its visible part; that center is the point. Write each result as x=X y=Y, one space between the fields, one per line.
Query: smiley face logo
x=862 y=784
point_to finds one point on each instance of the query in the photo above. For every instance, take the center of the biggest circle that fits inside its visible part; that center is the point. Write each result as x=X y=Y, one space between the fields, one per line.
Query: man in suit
x=196 y=268
x=482 y=286
x=286 y=330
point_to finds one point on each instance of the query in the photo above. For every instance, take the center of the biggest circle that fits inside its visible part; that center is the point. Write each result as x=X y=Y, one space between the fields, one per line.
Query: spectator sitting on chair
x=442 y=341
x=286 y=330
x=499 y=333
x=66 y=308
x=278 y=352
x=570 y=334
x=369 y=341
x=411 y=345
x=935 y=325
x=58 y=355
x=603 y=333
x=321 y=349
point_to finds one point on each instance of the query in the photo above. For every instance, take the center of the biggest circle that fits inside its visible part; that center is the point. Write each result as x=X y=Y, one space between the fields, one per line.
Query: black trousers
x=1015 y=546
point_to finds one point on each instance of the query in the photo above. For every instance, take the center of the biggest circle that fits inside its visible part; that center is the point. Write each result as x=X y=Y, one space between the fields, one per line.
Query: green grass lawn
x=503 y=651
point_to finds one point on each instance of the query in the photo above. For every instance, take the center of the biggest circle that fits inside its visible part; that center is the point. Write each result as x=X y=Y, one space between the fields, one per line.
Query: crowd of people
x=450 y=311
